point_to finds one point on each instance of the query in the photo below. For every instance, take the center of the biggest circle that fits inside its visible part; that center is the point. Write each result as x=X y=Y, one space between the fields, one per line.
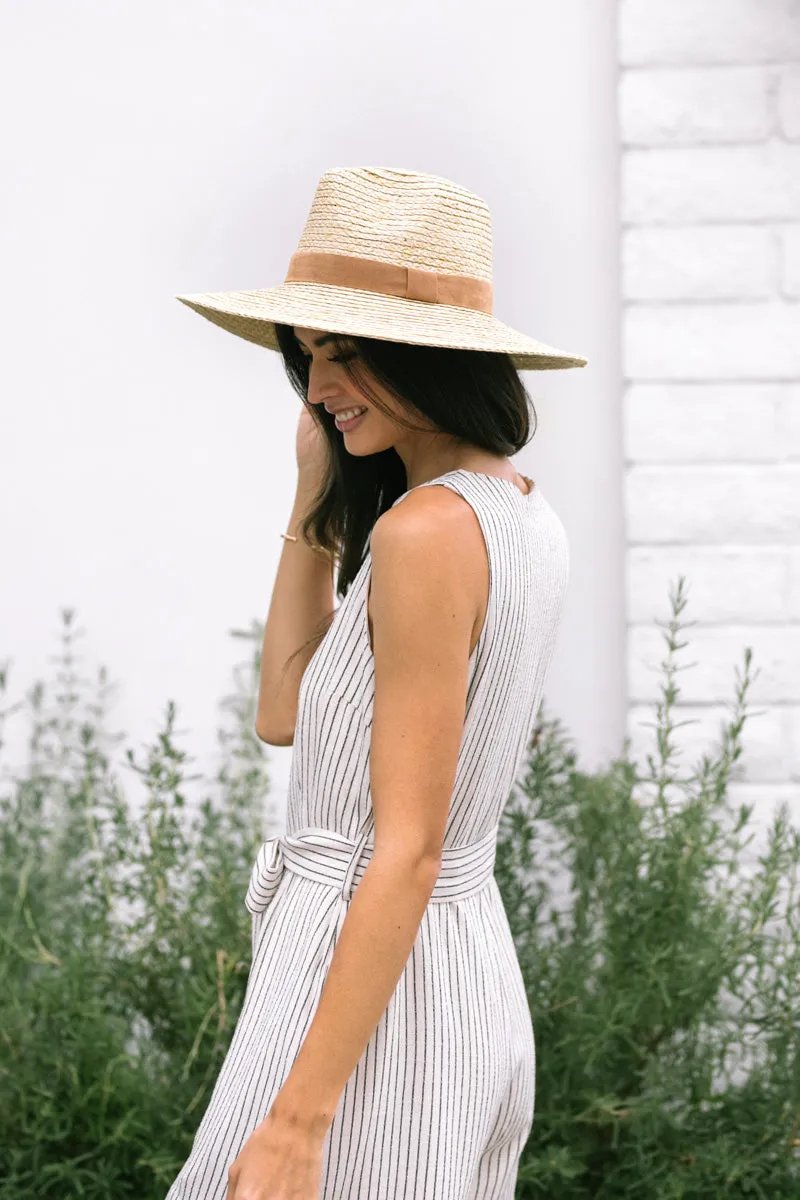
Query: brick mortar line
x=784 y=224
x=776 y=300
x=745 y=383
x=698 y=624
x=772 y=138
x=729 y=381
x=780 y=224
x=702 y=144
x=791 y=64
x=670 y=464
x=707 y=465
x=791 y=704
x=719 y=547
x=703 y=65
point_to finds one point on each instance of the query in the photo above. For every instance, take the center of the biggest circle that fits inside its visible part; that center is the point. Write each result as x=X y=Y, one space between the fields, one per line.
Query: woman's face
x=329 y=384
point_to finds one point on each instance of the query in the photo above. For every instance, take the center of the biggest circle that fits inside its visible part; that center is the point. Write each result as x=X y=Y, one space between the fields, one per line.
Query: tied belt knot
x=338 y=862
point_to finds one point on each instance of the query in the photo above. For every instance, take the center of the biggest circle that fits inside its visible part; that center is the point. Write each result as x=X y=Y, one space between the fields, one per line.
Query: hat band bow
x=389 y=279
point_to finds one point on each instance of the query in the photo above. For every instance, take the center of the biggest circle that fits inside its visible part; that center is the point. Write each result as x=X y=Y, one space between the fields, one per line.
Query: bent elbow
x=274 y=737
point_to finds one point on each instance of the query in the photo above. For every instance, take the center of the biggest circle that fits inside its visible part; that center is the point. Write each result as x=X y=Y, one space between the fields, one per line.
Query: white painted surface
x=147 y=457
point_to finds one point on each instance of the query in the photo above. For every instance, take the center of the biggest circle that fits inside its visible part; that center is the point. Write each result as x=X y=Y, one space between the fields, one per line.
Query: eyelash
x=337 y=358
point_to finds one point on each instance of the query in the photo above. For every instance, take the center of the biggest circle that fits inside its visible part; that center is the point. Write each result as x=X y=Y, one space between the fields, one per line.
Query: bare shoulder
x=428 y=581
x=428 y=552
x=429 y=523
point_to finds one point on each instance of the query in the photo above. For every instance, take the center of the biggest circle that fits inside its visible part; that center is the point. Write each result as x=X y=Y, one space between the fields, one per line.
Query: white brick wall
x=709 y=110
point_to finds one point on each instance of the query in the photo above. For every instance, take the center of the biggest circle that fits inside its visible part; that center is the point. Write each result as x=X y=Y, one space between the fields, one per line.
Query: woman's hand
x=277 y=1162
x=311 y=450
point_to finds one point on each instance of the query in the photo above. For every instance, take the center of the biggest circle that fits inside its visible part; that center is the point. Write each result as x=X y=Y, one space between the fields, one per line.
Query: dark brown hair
x=473 y=395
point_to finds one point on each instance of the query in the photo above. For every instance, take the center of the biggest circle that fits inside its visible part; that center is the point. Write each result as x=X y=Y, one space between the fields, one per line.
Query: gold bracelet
x=317 y=550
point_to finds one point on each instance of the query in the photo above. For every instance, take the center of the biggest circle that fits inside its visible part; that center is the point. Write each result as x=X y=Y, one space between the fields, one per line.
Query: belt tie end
x=266 y=875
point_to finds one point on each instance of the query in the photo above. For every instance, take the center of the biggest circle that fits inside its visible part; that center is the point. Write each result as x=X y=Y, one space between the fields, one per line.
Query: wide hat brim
x=252 y=315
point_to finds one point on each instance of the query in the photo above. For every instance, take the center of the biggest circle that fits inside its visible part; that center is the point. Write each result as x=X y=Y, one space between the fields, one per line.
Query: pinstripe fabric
x=441 y=1102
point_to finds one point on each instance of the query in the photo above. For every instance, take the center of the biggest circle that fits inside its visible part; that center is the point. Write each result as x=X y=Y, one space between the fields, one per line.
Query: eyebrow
x=320 y=341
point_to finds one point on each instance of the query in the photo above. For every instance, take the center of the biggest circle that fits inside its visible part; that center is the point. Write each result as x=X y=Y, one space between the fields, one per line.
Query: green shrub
x=664 y=988
x=663 y=983
x=124 y=946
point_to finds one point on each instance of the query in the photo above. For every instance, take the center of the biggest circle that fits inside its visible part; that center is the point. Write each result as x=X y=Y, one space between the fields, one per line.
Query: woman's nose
x=321 y=388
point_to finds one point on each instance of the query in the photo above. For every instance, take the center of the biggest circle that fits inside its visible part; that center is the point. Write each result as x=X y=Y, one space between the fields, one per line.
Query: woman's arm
x=424 y=566
x=301 y=596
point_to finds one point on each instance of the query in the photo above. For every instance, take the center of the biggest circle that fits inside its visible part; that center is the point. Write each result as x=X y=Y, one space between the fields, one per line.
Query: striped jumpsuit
x=441 y=1102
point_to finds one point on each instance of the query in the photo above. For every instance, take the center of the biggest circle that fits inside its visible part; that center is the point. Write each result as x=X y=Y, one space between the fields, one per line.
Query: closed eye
x=337 y=358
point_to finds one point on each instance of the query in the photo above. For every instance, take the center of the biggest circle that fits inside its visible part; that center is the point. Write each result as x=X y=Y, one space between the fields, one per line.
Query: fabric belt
x=330 y=858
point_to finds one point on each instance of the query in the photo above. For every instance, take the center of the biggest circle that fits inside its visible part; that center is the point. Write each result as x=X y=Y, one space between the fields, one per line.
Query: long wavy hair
x=473 y=395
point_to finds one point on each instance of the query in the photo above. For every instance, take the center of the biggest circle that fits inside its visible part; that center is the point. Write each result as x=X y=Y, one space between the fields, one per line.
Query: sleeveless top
x=528 y=558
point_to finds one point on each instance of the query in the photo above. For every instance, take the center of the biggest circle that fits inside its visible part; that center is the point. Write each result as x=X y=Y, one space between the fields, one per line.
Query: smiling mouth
x=351 y=422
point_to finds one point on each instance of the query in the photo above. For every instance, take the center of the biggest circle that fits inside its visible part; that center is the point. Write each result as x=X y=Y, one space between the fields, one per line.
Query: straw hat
x=387 y=254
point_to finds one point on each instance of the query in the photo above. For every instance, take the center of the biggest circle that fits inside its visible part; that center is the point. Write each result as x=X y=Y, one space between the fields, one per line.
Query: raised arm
x=302 y=597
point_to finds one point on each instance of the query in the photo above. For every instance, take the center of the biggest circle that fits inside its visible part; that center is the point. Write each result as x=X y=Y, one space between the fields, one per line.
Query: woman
x=385 y=1047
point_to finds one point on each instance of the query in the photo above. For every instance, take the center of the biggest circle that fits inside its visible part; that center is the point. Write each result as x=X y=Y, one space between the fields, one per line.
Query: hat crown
x=406 y=218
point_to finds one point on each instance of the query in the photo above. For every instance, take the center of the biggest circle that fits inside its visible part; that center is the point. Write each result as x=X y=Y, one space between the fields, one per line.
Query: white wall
x=710 y=118
x=147 y=458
